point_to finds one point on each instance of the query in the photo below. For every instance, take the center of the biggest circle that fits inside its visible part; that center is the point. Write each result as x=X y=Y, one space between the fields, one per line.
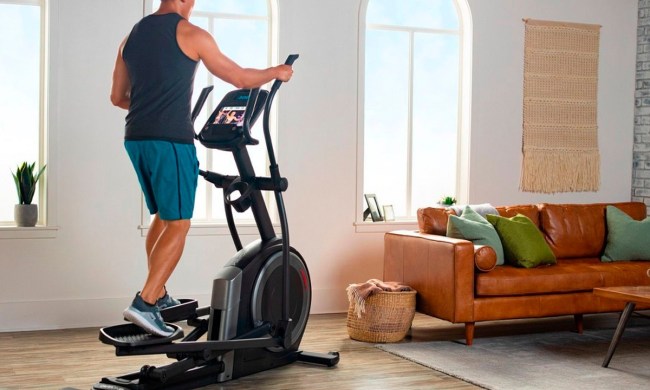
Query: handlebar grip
x=276 y=84
x=291 y=59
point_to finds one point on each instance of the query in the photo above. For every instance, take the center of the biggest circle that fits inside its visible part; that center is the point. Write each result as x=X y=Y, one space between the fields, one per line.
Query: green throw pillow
x=523 y=243
x=627 y=239
x=473 y=227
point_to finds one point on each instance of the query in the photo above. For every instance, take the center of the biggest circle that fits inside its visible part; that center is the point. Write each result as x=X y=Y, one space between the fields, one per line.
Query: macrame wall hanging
x=560 y=130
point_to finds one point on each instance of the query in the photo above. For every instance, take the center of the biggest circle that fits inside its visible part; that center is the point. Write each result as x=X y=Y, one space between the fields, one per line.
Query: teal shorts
x=168 y=174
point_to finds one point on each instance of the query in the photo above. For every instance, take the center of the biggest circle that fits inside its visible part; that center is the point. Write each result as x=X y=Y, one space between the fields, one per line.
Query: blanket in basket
x=358 y=293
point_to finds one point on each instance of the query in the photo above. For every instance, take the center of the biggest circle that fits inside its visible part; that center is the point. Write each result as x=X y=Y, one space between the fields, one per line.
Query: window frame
x=46 y=224
x=464 y=116
x=218 y=227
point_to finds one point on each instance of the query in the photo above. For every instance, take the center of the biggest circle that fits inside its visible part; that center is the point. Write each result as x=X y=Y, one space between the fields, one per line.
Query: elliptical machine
x=260 y=299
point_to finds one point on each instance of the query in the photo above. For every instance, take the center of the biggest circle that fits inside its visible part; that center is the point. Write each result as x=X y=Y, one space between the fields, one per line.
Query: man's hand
x=284 y=72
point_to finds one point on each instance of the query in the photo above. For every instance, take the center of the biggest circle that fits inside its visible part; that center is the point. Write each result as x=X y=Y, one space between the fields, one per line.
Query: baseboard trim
x=88 y=313
x=331 y=300
x=66 y=314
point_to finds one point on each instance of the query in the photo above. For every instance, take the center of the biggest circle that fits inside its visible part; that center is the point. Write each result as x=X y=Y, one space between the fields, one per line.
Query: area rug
x=555 y=360
x=560 y=132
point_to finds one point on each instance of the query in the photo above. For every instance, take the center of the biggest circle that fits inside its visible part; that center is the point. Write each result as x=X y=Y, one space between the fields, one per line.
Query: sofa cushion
x=523 y=243
x=473 y=227
x=627 y=239
x=529 y=210
x=577 y=231
x=569 y=275
x=433 y=220
x=623 y=273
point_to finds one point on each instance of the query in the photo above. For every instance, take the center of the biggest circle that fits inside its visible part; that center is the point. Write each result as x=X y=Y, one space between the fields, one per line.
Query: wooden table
x=630 y=294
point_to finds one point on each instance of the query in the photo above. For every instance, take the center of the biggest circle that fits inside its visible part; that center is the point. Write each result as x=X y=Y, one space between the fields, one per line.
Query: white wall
x=88 y=273
x=498 y=95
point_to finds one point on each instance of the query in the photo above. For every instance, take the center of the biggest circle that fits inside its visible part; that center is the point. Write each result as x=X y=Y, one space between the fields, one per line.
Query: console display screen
x=231 y=115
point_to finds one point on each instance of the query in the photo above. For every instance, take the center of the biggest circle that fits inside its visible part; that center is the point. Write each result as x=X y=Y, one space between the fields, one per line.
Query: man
x=153 y=79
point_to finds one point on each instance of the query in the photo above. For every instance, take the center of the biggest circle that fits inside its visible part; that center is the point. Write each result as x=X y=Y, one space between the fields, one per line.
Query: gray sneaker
x=167 y=301
x=147 y=317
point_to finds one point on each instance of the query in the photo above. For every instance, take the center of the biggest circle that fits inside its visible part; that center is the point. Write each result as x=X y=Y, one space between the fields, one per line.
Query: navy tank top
x=162 y=79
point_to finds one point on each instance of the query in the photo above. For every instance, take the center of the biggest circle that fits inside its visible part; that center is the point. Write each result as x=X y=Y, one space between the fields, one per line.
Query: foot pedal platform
x=131 y=335
x=330 y=359
x=186 y=310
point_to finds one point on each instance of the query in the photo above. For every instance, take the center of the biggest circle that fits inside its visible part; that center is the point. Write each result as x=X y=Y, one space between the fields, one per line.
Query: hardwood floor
x=75 y=359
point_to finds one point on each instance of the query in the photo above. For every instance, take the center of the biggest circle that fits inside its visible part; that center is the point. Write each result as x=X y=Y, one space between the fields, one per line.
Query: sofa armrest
x=440 y=268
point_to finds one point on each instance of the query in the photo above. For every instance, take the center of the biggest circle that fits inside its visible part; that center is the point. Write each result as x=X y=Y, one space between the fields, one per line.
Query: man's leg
x=177 y=164
x=158 y=164
x=155 y=231
x=165 y=254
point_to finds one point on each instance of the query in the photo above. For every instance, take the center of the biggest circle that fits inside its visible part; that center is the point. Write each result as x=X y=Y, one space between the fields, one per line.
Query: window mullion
x=42 y=135
x=389 y=27
x=224 y=15
x=409 y=131
x=37 y=3
x=209 y=214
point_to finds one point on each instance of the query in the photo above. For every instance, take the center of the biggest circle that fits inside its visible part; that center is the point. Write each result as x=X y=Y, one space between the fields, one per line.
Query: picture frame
x=389 y=213
x=373 y=208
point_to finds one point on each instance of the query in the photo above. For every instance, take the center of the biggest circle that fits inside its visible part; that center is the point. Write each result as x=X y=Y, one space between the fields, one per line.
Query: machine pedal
x=131 y=335
x=330 y=359
x=185 y=311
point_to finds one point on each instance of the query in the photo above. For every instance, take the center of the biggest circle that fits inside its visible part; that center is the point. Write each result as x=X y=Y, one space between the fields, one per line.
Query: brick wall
x=641 y=153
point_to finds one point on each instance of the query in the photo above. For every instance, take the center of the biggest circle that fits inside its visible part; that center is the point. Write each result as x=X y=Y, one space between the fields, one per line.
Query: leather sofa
x=459 y=282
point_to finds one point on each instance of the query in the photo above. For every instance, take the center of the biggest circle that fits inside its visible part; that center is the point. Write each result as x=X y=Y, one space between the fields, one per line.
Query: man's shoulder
x=185 y=27
x=192 y=39
x=192 y=36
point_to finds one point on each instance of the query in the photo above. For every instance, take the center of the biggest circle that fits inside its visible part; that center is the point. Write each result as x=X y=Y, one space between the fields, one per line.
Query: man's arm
x=121 y=88
x=200 y=45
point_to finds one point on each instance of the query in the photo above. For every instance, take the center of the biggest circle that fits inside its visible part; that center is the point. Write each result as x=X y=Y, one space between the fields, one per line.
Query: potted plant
x=447 y=201
x=26 y=213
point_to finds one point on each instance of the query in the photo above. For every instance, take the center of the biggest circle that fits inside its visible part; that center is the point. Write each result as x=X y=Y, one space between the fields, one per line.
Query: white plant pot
x=26 y=215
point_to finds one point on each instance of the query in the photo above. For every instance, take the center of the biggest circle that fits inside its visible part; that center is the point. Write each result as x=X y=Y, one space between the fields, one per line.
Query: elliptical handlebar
x=267 y=115
x=248 y=114
x=285 y=321
x=276 y=84
x=200 y=102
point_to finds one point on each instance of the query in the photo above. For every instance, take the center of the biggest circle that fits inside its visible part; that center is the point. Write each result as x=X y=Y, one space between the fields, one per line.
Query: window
x=22 y=105
x=412 y=103
x=244 y=32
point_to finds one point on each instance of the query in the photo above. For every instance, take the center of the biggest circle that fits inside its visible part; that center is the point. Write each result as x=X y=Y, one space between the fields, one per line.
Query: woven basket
x=387 y=318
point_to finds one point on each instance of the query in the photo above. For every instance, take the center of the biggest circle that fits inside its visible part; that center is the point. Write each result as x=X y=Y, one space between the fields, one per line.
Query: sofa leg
x=577 y=318
x=469 y=333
